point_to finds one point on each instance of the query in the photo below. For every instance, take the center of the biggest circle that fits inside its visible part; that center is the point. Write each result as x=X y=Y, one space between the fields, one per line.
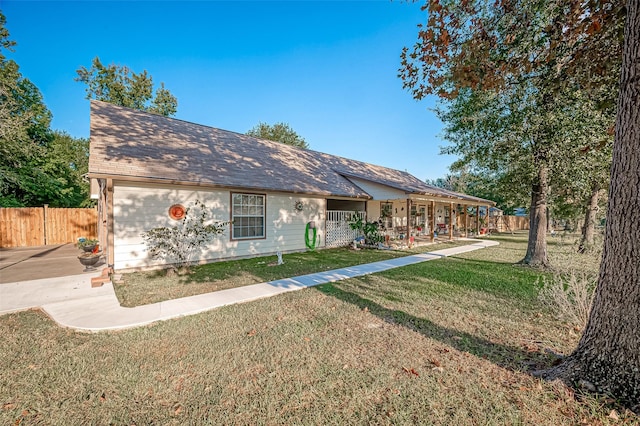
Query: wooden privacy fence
x=38 y=226
x=511 y=223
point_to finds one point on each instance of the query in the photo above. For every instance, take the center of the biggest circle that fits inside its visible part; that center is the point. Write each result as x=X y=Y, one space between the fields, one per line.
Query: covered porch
x=419 y=219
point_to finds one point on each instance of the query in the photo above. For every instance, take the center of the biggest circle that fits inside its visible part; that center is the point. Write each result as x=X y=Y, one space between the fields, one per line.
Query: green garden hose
x=311 y=245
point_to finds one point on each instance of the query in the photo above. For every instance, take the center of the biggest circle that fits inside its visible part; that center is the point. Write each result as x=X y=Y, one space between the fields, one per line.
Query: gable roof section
x=136 y=144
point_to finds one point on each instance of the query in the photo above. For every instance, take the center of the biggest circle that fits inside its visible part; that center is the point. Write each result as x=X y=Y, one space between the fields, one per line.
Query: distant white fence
x=339 y=233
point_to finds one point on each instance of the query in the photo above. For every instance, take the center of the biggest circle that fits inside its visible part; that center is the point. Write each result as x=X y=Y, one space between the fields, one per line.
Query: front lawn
x=141 y=288
x=446 y=342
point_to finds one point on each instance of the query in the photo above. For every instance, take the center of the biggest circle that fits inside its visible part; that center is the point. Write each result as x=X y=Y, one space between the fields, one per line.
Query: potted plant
x=90 y=253
x=89 y=260
x=87 y=245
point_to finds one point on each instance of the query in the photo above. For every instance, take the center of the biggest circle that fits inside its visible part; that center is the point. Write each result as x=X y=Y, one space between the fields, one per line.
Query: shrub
x=570 y=296
x=179 y=244
x=368 y=229
x=84 y=242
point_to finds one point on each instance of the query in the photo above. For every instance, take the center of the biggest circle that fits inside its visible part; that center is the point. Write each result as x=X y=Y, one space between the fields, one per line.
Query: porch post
x=488 y=220
x=477 y=220
x=110 y=248
x=488 y=224
x=466 y=220
x=408 y=224
x=102 y=213
x=433 y=218
x=451 y=220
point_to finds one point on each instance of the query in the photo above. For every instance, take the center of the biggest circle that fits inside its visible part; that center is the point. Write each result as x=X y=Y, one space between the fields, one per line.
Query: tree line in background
x=39 y=165
x=279 y=132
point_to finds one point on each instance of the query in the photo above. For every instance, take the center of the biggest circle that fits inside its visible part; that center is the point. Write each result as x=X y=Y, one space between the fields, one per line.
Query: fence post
x=44 y=227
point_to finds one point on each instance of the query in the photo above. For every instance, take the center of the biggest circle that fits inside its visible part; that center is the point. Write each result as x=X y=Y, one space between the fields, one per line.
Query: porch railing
x=339 y=233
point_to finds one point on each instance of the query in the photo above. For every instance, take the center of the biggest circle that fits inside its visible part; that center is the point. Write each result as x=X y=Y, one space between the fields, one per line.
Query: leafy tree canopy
x=24 y=132
x=549 y=51
x=121 y=86
x=279 y=132
x=67 y=159
x=37 y=166
x=508 y=72
x=482 y=44
x=482 y=185
x=501 y=138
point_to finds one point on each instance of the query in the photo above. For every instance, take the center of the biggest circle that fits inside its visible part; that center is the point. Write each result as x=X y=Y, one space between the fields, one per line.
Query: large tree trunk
x=537 y=246
x=589 y=227
x=608 y=355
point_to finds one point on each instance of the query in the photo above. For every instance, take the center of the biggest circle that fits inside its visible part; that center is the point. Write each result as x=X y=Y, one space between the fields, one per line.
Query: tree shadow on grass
x=502 y=239
x=495 y=277
x=513 y=358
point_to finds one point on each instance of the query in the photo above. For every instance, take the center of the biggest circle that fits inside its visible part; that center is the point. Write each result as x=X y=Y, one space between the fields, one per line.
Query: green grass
x=423 y=344
x=141 y=288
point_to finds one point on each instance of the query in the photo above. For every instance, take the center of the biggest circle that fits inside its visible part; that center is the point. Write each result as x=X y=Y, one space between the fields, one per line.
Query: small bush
x=369 y=230
x=570 y=296
x=84 y=242
x=181 y=243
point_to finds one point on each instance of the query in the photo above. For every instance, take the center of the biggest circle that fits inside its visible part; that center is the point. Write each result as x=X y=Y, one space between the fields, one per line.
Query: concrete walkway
x=71 y=302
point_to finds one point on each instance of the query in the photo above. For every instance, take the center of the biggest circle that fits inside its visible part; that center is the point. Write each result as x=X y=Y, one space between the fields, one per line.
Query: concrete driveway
x=34 y=263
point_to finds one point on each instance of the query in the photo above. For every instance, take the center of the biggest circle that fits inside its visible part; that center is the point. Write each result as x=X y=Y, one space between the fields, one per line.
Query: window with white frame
x=248 y=216
x=386 y=214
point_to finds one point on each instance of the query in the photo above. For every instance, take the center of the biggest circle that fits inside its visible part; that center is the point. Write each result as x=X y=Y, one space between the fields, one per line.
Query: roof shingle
x=132 y=143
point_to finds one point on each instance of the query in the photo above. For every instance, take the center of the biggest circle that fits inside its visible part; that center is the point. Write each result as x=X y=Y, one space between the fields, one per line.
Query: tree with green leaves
x=566 y=45
x=121 y=86
x=607 y=358
x=512 y=135
x=494 y=136
x=481 y=52
x=279 y=132
x=37 y=166
x=24 y=134
x=67 y=160
x=581 y=176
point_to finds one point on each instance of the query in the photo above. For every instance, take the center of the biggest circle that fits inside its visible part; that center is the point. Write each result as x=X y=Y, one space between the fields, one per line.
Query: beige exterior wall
x=399 y=213
x=373 y=210
x=139 y=207
x=377 y=191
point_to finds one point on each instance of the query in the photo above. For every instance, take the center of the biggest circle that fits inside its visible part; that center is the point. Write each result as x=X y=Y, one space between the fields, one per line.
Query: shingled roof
x=135 y=144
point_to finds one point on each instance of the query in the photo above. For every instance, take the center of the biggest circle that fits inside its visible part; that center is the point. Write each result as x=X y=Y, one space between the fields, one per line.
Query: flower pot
x=88 y=249
x=89 y=260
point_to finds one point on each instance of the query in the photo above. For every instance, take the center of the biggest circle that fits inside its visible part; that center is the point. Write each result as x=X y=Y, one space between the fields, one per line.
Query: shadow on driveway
x=33 y=263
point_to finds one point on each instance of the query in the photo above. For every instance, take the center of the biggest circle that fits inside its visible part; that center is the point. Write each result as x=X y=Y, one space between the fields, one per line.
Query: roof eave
x=164 y=181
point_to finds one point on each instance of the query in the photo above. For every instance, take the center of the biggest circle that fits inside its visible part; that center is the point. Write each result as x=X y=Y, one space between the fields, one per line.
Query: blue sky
x=328 y=69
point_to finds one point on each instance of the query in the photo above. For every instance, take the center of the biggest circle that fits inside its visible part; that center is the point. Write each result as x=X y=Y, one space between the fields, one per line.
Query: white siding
x=138 y=208
x=377 y=191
